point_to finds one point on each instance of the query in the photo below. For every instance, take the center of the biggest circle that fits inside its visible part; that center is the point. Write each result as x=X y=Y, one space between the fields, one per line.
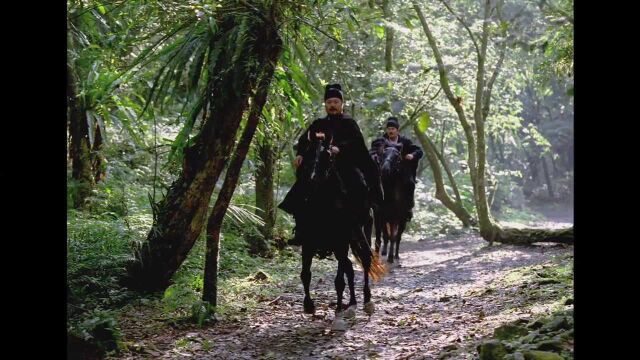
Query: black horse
x=329 y=223
x=391 y=219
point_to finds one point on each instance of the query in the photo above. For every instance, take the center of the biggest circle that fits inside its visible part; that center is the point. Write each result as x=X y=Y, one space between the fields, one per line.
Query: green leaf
x=424 y=121
x=408 y=23
x=457 y=90
x=102 y=9
x=213 y=26
x=379 y=31
x=300 y=78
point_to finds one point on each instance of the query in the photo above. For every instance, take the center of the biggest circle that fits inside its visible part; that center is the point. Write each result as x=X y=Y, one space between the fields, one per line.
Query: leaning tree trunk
x=447 y=169
x=489 y=229
x=79 y=151
x=455 y=101
x=265 y=201
x=179 y=217
x=441 y=194
x=272 y=48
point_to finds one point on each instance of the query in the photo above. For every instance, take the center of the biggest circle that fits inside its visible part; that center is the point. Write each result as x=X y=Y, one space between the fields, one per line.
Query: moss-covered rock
x=492 y=350
x=530 y=337
x=509 y=331
x=550 y=345
x=555 y=324
x=515 y=356
x=541 y=355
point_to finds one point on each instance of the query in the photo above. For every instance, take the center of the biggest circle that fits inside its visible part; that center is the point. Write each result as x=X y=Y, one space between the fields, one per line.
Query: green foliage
x=184 y=301
x=100 y=328
x=521 y=216
x=97 y=250
x=145 y=72
x=423 y=124
x=430 y=218
x=557 y=41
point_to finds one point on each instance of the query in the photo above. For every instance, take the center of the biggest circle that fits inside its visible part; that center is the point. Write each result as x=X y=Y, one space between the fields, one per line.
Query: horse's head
x=376 y=155
x=390 y=160
x=317 y=166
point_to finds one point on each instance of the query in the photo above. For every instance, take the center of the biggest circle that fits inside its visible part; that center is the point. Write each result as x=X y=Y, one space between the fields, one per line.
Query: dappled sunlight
x=443 y=293
x=193 y=169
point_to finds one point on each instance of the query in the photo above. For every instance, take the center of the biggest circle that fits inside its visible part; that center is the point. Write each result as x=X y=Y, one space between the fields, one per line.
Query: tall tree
x=489 y=229
x=388 y=33
x=266 y=151
x=229 y=49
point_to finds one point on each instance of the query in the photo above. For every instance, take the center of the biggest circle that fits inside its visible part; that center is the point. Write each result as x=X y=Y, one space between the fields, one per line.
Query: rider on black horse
x=358 y=178
x=411 y=154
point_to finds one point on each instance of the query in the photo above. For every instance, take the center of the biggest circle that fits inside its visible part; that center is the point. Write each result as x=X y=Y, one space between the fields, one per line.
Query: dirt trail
x=437 y=299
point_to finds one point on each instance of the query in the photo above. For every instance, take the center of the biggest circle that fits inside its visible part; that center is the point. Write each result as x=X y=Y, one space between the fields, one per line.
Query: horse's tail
x=364 y=256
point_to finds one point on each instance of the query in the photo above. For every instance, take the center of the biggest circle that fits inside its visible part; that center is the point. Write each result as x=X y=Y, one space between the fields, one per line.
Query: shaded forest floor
x=446 y=296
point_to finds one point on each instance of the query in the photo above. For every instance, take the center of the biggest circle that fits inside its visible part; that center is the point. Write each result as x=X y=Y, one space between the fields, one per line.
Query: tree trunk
x=452 y=180
x=517 y=236
x=79 y=151
x=489 y=230
x=98 y=162
x=214 y=224
x=265 y=201
x=554 y=165
x=441 y=194
x=388 y=31
x=531 y=175
x=500 y=145
x=482 y=205
x=444 y=127
x=455 y=101
x=547 y=177
x=493 y=154
x=179 y=217
x=492 y=196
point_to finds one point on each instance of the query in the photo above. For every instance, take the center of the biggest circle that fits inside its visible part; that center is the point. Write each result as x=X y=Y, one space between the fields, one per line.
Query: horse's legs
x=305 y=276
x=393 y=234
x=345 y=266
x=365 y=256
x=368 y=228
x=386 y=235
x=339 y=283
x=378 y=225
x=348 y=269
x=403 y=225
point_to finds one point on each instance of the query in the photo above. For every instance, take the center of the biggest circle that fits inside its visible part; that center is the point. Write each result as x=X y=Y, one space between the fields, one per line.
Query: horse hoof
x=369 y=308
x=309 y=307
x=349 y=312
x=339 y=324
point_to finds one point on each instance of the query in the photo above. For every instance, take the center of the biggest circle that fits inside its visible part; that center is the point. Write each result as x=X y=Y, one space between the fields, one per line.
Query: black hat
x=393 y=122
x=333 y=91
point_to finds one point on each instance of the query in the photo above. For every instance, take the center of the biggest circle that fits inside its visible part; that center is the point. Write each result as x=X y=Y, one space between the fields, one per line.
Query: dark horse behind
x=391 y=219
x=328 y=222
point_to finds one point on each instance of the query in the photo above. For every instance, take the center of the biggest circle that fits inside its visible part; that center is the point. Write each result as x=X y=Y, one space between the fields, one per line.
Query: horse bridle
x=396 y=163
x=318 y=152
